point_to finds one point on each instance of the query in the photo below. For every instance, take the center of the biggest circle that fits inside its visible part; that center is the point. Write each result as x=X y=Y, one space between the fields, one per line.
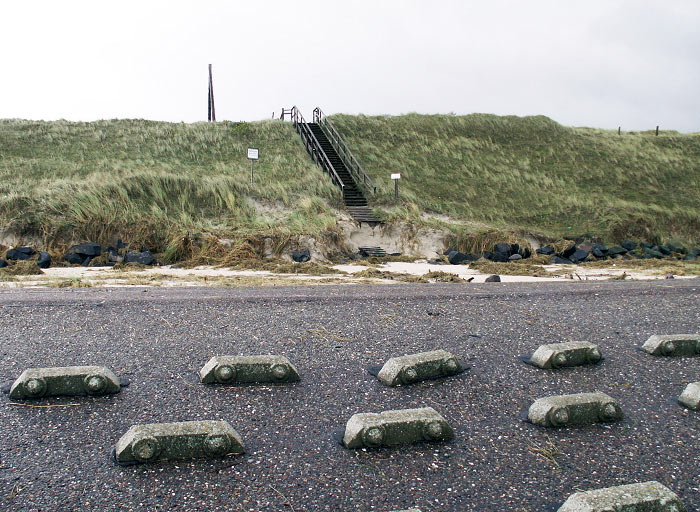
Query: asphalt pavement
x=58 y=457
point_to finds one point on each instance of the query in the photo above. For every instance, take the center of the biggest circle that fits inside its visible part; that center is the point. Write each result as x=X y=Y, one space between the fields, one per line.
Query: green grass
x=180 y=188
x=153 y=182
x=532 y=174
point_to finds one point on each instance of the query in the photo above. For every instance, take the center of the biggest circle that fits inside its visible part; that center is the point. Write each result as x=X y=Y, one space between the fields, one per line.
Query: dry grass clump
x=21 y=268
x=513 y=268
x=443 y=277
x=285 y=267
x=373 y=273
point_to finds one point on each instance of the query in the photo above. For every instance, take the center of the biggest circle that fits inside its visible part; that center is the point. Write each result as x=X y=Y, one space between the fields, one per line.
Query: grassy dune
x=153 y=182
x=533 y=174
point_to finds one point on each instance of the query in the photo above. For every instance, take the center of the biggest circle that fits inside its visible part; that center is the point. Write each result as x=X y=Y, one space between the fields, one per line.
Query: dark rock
x=121 y=245
x=634 y=255
x=86 y=261
x=664 y=249
x=688 y=257
x=89 y=249
x=500 y=257
x=26 y=250
x=675 y=246
x=515 y=257
x=616 y=256
x=395 y=254
x=568 y=251
x=598 y=253
x=695 y=251
x=602 y=248
x=448 y=251
x=44 y=260
x=669 y=276
x=487 y=255
x=585 y=247
x=558 y=260
x=515 y=249
x=73 y=258
x=298 y=256
x=143 y=257
x=457 y=258
x=503 y=248
x=144 y=248
x=547 y=250
x=3 y=263
x=493 y=279
x=526 y=253
x=616 y=250
x=646 y=245
x=14 y=254
x=579 y=256
x=629 y=245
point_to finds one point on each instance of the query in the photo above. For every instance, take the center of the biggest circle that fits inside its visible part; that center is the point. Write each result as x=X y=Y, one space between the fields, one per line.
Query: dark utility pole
x=211 y=113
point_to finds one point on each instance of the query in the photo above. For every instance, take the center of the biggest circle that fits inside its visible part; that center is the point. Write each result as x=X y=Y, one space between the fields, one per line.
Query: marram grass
x=532 y=174
x=163 y=184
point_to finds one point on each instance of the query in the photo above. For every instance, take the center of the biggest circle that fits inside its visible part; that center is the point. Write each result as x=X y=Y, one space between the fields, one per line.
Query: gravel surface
x=58 y=458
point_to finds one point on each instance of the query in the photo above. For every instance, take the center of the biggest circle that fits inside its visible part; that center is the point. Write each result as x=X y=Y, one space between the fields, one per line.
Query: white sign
x=396 y=176
x=252 y=153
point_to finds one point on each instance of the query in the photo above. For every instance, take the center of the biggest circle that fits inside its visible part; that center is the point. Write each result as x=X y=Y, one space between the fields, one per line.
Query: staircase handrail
x=313 y=147
x=343 y=151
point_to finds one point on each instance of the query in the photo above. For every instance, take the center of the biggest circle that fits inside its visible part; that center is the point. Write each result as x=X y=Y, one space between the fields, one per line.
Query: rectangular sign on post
x=396 y=176
x=252 y=153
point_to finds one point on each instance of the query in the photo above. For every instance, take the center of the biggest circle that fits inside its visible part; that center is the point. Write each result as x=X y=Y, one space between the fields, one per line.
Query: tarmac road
x=58 y=458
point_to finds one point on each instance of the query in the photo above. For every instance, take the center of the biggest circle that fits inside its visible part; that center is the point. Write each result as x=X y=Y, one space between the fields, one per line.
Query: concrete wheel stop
x=176 y=441
x=65 y=381
x=249 y=370
x=564 y=355
x=413 y=368
x=671 y=345
x=393 y=428
x=577 y=409
x=642 y=497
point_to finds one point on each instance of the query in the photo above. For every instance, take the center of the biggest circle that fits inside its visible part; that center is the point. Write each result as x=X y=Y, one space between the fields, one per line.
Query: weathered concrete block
x=390 y=428
x=172 y=441
x=673 y=345
x=561 y=355
x=565 y=410
x=248 y=370
x=691 y=396
x=69 y=380
x=416 y=367
x=643 y=497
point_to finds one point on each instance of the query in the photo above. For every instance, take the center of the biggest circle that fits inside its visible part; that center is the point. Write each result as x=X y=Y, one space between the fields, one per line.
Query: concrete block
x=417 y=367
x=248 y=370
x=691 y=396
x=64 y=381
x=582 y=408
x=643 y=497
x=561 y=355
x=673 y=345
x=391 y=428
x=173 y=441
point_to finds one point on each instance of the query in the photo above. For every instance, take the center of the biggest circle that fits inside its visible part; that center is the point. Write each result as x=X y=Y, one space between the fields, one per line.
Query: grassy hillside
x=532 y=174
x=152 y=182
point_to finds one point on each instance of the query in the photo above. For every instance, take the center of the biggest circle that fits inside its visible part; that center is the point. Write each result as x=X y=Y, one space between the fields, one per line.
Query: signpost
x=253 y=156
x=396 y=177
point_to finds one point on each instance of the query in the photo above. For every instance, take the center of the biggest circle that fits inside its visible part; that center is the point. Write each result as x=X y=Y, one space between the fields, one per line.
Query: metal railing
x=312 y=145
x=343 y=151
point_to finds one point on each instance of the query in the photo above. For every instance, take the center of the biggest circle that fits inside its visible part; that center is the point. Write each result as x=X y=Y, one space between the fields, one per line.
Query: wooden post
x=211 y=113
x=618 y=130
x=657 y=131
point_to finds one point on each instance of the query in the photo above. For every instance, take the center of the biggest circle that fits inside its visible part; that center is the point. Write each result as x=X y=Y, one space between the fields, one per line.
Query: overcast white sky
x=602 y=63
